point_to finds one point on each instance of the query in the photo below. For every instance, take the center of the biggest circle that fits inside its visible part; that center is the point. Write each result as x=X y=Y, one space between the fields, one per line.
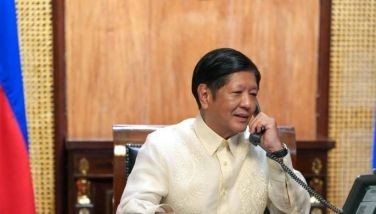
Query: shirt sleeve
x=147 y=184
x=285 y=194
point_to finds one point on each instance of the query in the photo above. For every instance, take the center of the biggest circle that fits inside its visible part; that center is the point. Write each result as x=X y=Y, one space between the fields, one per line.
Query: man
x=207 y=164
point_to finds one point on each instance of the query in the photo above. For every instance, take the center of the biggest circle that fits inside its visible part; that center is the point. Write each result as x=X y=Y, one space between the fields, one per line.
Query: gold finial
x=83 y=166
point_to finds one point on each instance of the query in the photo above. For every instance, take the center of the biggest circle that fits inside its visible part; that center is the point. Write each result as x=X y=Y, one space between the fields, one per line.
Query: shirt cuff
x=276 y=171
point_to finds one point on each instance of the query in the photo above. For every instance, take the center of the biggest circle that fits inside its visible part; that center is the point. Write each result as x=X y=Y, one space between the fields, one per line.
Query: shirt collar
x=210 y=139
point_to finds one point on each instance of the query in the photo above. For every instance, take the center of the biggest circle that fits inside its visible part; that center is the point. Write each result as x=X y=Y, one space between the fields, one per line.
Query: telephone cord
x=304 y=185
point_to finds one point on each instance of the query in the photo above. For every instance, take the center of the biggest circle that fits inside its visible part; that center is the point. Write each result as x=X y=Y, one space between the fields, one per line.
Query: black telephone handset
x=255 y=139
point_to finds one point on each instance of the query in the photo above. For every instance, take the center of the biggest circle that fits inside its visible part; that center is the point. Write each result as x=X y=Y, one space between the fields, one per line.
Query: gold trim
x=316 y=166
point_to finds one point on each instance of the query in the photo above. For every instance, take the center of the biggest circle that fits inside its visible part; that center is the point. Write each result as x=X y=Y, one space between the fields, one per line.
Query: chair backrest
x=126 y=138
x=129 y=138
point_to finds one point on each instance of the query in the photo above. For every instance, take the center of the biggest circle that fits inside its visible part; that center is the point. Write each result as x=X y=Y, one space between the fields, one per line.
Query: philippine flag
x=16 y=190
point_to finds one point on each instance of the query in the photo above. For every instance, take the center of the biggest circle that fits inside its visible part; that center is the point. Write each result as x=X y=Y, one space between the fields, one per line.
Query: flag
x=16 y=191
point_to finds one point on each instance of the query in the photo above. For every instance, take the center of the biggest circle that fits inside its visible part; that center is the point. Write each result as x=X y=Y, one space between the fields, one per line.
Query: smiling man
x=207 y=164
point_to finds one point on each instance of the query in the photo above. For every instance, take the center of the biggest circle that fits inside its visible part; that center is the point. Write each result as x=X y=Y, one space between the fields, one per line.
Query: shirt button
x=225 y=163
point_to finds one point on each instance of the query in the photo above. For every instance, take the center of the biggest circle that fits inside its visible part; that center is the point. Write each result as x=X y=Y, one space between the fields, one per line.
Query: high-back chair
x=129 y=138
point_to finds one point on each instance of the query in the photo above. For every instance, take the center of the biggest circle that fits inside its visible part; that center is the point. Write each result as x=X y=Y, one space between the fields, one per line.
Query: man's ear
x=204 y=95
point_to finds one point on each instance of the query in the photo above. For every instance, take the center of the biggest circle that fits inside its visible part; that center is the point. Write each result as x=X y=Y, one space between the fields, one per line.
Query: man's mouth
x=242 y=117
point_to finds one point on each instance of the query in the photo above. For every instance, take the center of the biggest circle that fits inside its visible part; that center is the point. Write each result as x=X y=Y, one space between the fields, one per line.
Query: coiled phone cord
x=305 y=186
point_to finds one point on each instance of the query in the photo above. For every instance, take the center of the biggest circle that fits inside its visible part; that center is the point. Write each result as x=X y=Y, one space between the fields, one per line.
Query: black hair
x=214 y=67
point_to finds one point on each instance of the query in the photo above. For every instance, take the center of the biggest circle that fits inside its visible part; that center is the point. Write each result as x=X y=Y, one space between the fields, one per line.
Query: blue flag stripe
x=10 y=65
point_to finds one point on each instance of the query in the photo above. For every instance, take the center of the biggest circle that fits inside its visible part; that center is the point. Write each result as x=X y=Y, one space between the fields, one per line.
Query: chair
x=128 y=139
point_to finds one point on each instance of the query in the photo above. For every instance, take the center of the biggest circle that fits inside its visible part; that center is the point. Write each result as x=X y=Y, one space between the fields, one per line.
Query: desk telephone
x=255 y=139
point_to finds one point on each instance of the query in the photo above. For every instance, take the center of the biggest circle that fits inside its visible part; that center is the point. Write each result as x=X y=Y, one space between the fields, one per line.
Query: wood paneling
x=131 y=61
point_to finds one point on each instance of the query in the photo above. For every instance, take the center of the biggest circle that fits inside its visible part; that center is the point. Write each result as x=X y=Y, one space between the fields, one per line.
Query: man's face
x=232 y=108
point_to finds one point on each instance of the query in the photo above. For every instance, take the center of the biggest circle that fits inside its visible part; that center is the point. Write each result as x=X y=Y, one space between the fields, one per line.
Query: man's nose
x=246 y=101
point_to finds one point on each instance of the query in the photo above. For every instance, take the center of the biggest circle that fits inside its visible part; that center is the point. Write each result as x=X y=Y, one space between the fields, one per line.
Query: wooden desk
x=313 y=164
x=90 y=168
x=89 y=176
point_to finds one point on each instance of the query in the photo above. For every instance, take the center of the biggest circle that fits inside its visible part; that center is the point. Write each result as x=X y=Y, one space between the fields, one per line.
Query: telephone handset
x=255 y=139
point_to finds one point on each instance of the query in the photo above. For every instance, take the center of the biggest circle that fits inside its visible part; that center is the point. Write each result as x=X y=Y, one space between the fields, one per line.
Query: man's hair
x=214 y=68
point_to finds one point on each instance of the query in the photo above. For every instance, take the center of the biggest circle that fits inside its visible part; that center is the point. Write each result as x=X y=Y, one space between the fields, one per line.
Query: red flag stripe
x=16 y=192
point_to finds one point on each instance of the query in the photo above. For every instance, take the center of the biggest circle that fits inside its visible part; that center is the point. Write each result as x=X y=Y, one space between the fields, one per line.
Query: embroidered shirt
x=188 y=168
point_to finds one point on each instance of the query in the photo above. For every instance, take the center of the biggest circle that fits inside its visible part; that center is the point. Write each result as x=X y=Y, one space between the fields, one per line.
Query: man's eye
x=254 y=94
x=237 y=92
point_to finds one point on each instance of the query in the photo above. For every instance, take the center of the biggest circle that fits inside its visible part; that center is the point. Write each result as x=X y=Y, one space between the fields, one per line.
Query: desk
x=90 y=173
x=89 y=177
x=312 y=163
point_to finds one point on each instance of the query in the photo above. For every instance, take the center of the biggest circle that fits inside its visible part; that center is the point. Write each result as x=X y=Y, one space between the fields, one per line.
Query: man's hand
x=270 y=139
